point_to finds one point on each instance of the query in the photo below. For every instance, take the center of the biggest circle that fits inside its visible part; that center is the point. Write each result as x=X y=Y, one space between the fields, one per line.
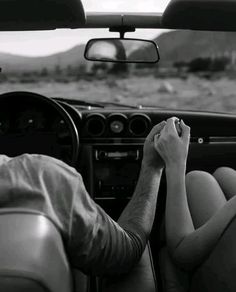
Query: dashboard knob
x=117 y=126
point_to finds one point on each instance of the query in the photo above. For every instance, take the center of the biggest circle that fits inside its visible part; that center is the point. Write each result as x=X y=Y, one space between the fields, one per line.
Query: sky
x=125 y=5
x=49 y=42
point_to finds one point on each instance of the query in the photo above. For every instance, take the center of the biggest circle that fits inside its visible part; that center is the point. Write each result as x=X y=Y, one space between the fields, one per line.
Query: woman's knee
x=226 y=177
x=223 y=171
x=204 y=195
x=198 y=177
x=202 y=182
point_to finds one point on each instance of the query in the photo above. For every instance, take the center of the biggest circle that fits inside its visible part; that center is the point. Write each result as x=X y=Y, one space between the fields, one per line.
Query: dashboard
x=105 y=144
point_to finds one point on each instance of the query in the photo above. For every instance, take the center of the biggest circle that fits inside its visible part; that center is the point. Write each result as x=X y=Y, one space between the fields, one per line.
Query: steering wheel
x=33 y=123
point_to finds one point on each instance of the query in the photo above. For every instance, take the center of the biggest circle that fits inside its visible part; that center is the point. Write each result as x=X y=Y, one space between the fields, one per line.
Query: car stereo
x=116 y=170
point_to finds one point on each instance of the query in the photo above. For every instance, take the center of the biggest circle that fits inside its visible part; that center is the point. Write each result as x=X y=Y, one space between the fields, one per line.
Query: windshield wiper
x=104 y=104
x=79 y=102
x=101 y=104
x=107 y=103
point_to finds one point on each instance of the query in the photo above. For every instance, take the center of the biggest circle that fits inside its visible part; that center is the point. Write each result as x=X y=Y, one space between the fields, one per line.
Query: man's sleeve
x=97 y=244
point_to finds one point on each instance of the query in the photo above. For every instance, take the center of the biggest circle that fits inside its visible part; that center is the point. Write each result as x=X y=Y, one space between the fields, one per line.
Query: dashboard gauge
x=117 y=126
x=4 y=126
x=31 y=120
x=59 y=126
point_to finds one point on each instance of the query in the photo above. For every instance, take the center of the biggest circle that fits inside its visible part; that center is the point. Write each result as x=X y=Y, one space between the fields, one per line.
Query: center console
x=115 y=170
x=110 y=173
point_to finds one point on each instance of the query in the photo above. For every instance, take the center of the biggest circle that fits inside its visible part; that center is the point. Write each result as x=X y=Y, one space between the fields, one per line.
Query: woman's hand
x=172 y=147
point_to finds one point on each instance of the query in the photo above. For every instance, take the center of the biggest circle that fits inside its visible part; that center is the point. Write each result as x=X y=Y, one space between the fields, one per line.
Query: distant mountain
x=72 y=57
x=187 y=45
x=174 y=46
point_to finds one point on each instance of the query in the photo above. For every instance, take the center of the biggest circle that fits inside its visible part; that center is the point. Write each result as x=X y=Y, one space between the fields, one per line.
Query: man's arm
x=138 y=216
x=99 y=245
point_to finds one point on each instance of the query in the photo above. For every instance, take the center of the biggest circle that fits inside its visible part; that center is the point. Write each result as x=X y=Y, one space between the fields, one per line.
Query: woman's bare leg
x=210 y=210
x=205 y=196
x=226 y=178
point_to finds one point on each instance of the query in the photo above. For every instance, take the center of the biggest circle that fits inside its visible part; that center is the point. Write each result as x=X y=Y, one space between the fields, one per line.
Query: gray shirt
x=94 y=242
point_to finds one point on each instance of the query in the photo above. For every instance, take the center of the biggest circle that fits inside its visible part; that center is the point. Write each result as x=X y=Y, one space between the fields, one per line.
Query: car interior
x=105 y=145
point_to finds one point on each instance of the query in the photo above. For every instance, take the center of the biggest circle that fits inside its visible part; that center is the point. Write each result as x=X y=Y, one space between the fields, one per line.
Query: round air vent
x=96 y=125
x=139 y=125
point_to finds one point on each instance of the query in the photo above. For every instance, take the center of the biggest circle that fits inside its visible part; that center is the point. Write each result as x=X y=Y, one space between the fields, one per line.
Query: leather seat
x=32 y=256
x=216 y=273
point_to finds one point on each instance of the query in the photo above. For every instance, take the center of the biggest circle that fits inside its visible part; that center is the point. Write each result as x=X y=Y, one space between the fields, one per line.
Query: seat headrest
x=32 y=256
x=218 y=15
x=18 y=15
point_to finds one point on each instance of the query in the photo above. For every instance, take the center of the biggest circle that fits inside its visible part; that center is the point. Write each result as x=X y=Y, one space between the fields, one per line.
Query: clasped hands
x=167 y=144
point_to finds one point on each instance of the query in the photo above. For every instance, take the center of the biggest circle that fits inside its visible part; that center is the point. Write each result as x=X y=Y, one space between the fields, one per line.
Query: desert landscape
x=191 y=92
x=196 y=72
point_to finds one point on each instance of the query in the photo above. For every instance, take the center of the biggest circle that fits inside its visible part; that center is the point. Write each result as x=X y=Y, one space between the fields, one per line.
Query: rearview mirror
x=122 y=50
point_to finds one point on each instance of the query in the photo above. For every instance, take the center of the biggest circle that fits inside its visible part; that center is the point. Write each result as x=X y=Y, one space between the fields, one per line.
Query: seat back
x=141 y=278
x=32 y=256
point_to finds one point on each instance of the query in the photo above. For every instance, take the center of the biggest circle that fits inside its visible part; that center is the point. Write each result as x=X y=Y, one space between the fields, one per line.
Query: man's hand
x=171 y=147
x=150 y=156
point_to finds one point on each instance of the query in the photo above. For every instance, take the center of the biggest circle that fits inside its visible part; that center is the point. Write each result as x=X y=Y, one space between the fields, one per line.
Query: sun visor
x=18 y=15
x=200 y=15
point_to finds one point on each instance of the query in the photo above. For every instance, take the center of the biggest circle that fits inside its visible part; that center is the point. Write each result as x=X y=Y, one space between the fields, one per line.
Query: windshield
x=196 y=71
